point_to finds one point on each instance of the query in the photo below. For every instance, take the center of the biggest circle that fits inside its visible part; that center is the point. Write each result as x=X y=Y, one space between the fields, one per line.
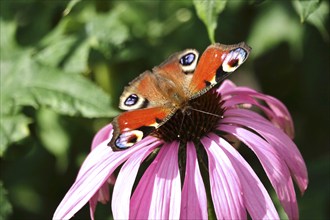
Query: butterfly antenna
x=204 y=112
x=181 y=124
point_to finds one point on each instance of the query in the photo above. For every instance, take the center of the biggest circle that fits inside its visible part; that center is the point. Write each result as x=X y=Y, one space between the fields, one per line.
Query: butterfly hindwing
x=131 y=126
x=216 y=63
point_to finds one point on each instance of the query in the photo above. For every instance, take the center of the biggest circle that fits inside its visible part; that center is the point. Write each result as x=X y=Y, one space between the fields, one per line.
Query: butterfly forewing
x=216 y=63
x=143 y=92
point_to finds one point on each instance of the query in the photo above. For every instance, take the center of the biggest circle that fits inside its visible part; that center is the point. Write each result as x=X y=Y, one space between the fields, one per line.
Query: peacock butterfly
x=152 y=98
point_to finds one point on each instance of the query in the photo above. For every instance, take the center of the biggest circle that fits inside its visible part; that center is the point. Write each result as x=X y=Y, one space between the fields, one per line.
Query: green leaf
x=70 y=6
x=13 y=128
x=5 y=207
x=26 y=82
x=52 y=132
x=67 y=51
x=32 y=84
x=7 y=33
x=55 y=52
x=106 y=31
x=30 y=80
x=208 y=11
x=13 y=125
x=77 y=62
x=69 y=44
x=315 y=12
x=319 y=18
x=53 y=136
x=305 y=8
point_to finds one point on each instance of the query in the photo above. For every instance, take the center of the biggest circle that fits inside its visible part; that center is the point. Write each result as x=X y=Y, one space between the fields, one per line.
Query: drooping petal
x=274 y=109
x=255 y=197
x=274 y=166
x=277 y=139
x=159 y=187
x=122 y=190
x=94 y=172
x=102 y=195
x=92 y=206
x=193 y=201
x=225 y=185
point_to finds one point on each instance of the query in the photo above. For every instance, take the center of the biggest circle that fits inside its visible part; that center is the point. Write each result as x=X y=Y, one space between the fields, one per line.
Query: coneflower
x=172 y=187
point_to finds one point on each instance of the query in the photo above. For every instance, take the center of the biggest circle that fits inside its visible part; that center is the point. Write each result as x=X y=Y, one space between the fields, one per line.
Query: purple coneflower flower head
x=196 y=156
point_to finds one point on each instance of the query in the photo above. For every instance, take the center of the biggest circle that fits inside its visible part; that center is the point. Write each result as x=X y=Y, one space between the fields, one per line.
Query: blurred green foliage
x=208 y=12
x=65 y=63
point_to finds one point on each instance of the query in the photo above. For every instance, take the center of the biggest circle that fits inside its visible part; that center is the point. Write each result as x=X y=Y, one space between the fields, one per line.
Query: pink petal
x=225 y=184
x=194 y=201
x=276 y=137
x=122 y=191
x=278 y=113
x=102 y=135
x=94 y=172
x=274 y=166
x=254 y=194
x=159 y=187
x=246 y=99
x=102 y=195
x=226 y=86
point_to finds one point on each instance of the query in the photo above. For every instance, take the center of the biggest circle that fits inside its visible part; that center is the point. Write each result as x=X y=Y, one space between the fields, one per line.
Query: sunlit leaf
x=69 y=44
x=69 y=7
x=208 y=11
x=27 y=80
x=55 y=52
x=77 y=62
x=29 y=84
x=106 y=31
x=13 y=128
x=70 y=94
x=305 y=8
x=65 y=50
x=7 y=33
x=13 y=125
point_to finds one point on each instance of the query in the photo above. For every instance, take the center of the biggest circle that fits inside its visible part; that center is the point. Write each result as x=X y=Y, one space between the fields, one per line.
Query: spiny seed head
x=200 y=116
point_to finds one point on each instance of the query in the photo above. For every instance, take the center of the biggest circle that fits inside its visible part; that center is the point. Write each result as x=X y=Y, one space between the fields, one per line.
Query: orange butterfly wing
x=217 y=62
x=131 y=126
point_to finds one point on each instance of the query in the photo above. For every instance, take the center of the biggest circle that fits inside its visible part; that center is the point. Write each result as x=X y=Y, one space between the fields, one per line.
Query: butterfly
x=153 y=97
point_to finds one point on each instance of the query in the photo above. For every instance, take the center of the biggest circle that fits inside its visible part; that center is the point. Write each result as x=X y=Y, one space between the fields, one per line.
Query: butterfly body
x=155 y=96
